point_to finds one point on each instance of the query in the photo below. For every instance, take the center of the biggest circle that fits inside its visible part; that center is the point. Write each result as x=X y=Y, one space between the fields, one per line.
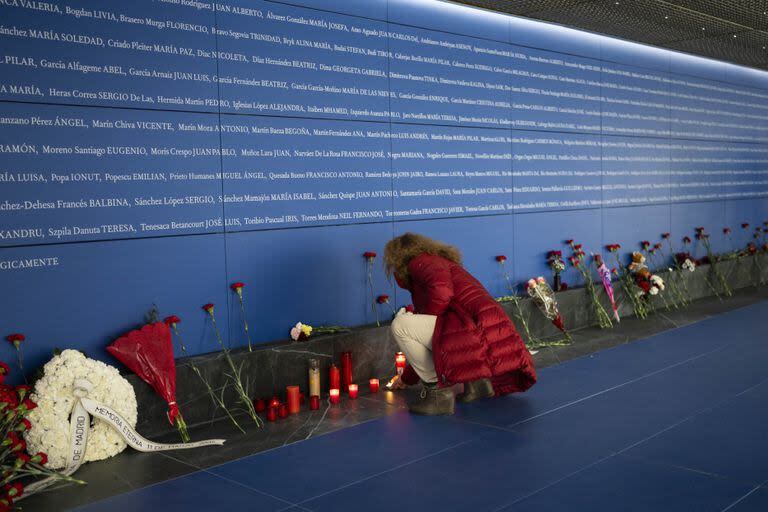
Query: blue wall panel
x=154 y=152
x=140 y=54
x=287 y=60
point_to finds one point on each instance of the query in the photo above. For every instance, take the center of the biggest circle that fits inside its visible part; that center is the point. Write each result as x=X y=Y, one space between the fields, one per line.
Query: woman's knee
x=399 y=328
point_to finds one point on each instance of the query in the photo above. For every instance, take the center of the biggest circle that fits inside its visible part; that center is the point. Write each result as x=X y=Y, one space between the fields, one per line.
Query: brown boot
x=476 y=390
x=434 y=401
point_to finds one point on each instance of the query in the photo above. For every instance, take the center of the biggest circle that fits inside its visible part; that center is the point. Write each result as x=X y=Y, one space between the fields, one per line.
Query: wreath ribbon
x=80 y=424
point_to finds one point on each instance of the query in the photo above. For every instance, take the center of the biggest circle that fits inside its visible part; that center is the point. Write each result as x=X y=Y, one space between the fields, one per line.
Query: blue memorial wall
x=153 y=152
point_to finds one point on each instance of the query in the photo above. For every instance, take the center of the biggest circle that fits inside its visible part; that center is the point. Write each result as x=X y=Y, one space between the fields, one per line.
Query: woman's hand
x=397 y=383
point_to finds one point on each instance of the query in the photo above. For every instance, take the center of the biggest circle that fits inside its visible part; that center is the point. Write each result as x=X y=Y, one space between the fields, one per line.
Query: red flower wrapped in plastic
x=148 y=352
x=172 y=321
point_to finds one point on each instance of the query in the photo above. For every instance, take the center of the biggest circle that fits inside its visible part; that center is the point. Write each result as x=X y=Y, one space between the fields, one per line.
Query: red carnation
x=171 y=321
x=665 y=235
x=574 y=261
x=686 y=239
x=569 y=241
x=14 y=490
x=577 y=247
x=208 y=308
x=238 y=288
x=501 y=258
x=40 y=458
x=29 y=404
x=382 y=299
x=16 y=339
x=745 y=225
x=657 y=246
x=369 y=255
x=645 y=243
x=726 y=231
x=23 y=391
x=410 y=308
x=614 y=271
x=22 y=459
x=23 y=425
x=598 y=260
x=4 y=370
x=699 y=229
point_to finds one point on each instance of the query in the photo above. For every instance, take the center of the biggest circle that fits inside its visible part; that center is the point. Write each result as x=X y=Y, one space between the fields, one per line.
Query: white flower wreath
x=54 y=394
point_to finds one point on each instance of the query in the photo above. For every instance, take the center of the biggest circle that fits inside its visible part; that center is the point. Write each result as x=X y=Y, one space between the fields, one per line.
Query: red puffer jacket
x=474 y=338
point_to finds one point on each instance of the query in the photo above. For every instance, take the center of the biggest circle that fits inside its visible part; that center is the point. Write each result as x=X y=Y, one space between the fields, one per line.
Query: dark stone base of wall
x=272 y=367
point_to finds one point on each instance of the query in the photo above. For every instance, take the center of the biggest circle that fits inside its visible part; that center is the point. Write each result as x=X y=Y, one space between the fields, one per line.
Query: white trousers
x=413 y=334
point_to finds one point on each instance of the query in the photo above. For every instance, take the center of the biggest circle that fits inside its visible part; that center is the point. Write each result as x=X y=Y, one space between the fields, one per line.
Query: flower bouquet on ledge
x=556 y=263
x=301 y=332
x=577 y=260
x=544 y=298
x=518 y=313
x=628 y=285
x=717 y=279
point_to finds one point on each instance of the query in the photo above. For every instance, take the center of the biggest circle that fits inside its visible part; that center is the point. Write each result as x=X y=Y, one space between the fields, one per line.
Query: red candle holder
x=294 y=400
x=335 y=398
x=274 y=402
x=283 y=411
x=374 y=385
x=272 y=414
x=260 y=405
x=314 y=402
x=346 y=369
x=334 y=377
x=353 y=391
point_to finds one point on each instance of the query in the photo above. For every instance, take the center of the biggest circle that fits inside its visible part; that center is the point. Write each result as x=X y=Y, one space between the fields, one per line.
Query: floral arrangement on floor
x=577 y=259
x=55 y=398
x=716 y=279
x=234 y=375
x=515 y=299
x=17 y=406
x=148 y=352
x=544 y=298
x=173 y=322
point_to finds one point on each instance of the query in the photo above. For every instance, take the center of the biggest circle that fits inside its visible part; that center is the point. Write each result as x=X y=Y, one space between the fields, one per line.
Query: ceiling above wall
x=730 y=30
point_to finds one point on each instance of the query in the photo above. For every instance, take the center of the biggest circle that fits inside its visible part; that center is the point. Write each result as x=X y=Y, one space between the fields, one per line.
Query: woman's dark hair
x=399 y=252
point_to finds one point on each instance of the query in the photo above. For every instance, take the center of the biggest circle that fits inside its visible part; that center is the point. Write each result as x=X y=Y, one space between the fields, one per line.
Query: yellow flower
x=306 y=329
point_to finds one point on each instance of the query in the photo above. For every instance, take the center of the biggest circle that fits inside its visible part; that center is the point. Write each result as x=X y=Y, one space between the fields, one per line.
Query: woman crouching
x=458 y=334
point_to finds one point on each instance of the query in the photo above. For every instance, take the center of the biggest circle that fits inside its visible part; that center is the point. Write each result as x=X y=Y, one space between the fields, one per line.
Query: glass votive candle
x=283 y=411
x=374 y=385
x=314 y=403
x=272 y=414
x=260 y=405
x=353 y=391
x=335 y=396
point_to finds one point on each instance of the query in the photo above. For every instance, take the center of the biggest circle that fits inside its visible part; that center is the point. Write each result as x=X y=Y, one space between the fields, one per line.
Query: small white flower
x=654 y=290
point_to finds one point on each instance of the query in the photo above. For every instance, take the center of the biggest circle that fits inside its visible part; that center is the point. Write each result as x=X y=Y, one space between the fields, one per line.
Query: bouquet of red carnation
x=17 y=464
x=148 y=352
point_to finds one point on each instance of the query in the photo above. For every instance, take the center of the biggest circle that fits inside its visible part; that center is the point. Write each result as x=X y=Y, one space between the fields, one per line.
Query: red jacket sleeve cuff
x=410 y=377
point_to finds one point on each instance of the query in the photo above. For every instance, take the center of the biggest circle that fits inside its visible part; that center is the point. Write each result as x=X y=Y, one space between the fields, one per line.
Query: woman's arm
x=431 y=285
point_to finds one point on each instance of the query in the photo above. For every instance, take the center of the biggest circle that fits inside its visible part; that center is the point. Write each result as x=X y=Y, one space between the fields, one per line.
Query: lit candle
x=272 y=414
x=334 y=378
x=374 y=385
x=294 y=400
x=314 y=402
x=353 y=391
x=275 y=402
x=260 y=405
x=283 y=411
x=346 y=369
x=335 y=396
x=400 y=362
